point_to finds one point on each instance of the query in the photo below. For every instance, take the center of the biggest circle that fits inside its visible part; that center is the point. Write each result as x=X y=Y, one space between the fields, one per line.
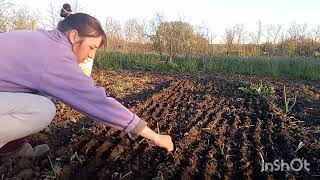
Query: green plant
x=123 y=85
x=146 y=79
x=55 y=171
x=263 y=90
x=75 y=156
x=103 y=81
x=287 y=100
x=159 y=176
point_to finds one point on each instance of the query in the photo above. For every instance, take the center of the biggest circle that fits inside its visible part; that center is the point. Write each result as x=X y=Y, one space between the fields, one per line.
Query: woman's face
x=84 y=47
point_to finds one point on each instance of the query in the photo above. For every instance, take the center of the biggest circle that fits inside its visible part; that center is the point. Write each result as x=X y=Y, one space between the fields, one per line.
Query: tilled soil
x=218 y=131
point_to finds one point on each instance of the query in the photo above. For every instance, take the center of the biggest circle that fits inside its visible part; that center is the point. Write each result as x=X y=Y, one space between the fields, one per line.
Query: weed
x=121 y=86
x=263 y=90
x=55 y=171
x=75 y=155
x=159 y=176
x=287 y=100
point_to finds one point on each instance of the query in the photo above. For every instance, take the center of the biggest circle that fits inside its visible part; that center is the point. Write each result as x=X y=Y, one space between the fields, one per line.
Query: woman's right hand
x=164 y=141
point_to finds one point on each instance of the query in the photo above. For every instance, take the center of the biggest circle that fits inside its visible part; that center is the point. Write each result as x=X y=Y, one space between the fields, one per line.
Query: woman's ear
x=74 y=37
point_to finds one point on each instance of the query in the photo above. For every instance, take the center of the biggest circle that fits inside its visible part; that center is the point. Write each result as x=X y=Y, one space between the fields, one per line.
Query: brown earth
x=218 y=131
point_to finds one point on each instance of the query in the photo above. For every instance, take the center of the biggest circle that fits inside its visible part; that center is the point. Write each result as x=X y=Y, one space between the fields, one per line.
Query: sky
x=217 y=15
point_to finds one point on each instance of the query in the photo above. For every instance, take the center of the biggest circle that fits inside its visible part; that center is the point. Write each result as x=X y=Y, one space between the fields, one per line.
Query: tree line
x=179 y=38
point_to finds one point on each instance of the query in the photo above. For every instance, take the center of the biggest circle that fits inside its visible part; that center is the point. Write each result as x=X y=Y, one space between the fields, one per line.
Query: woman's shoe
x=26 y=150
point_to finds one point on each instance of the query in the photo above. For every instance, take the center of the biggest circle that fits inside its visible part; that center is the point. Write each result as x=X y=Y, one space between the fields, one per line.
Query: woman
x=38 y=64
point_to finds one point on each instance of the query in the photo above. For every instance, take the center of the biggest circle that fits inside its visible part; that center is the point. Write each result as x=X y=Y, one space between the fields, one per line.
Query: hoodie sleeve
x=65 y=80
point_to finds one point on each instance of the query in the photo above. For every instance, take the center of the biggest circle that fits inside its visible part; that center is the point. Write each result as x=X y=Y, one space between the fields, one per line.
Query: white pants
x=23 y=114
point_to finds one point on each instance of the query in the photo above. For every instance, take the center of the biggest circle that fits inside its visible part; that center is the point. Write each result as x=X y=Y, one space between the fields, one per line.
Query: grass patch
x=298 y=67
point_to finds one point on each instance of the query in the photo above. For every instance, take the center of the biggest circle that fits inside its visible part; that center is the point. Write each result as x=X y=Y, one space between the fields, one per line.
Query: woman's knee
x=28 y=114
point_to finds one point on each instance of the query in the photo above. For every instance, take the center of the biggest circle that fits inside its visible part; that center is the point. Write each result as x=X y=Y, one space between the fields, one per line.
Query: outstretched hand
x=164 y=141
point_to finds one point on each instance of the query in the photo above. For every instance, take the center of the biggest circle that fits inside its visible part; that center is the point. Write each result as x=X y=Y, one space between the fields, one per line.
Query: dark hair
x=66 y=10
x=86 y=25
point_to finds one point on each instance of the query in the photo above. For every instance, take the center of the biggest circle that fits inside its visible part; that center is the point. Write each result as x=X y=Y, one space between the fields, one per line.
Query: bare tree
x=23 y=19
x=154 y=24
x=268 y=34
x=129 y=30
x=3 y=5
x=315 y=34
x=204 y=31
x=135 y=35
x=153 y=34
x=113 y=27
x=297 y=31
x=272 y=36
x=207 y=33
x=229 y=39
x=283 y=36
x=275 y=32
x=113 y=31
x=54 y=16
x=4 y=19
x=76 y=6
x=135 y=31
x=239 y=33
x=53 y=12
x=3 y=24
x=256 y=36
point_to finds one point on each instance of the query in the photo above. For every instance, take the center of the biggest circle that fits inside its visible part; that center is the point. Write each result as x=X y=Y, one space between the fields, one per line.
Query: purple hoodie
x=42 y=62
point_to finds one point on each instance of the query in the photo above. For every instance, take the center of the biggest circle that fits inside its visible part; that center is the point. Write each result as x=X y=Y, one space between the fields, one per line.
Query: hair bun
x=66 y=10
